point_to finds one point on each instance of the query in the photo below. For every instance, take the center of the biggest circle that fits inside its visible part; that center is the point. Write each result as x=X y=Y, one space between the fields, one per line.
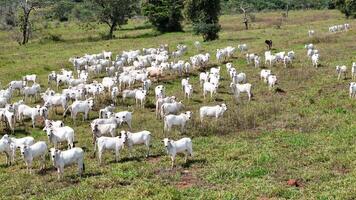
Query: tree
x=204 y=14
x=348 y=7
x=244 y=11
x=165 y=15
x=114 y=13
x=27 y=6
x=62 y=9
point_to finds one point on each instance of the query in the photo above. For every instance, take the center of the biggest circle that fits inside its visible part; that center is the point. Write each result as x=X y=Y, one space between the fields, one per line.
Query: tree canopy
x=165 y=15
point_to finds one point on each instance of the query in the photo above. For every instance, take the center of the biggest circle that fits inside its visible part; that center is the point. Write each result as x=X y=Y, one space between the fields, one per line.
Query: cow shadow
x=194 y=161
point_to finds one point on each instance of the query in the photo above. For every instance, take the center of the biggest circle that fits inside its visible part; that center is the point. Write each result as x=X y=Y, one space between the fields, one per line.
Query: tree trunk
x=245 y=16
x=112 y=29
x=246 y=24
x=25 y=28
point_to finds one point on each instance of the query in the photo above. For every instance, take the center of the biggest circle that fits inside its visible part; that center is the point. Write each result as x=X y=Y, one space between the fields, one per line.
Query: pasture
x=304 y=130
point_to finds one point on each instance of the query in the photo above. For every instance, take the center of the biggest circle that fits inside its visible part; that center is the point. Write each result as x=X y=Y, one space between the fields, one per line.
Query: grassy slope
x=306 y=133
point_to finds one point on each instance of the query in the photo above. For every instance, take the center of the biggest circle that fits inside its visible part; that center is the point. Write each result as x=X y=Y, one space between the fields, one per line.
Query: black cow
x=269 y=44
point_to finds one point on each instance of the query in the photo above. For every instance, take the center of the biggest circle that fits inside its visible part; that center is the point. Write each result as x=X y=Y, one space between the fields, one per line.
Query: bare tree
x=244 y=10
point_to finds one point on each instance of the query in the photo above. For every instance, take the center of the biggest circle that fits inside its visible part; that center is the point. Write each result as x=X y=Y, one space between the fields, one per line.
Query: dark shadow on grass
x=193 y=161
x=127 y=159
x=280 y=90
x=197 y=101
x=144 y=35
x=4 y=165
x=150 y=105
x=219 y=99
x=140 y=27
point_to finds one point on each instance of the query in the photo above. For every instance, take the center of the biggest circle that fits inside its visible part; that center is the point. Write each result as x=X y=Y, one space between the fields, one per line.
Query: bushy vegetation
x=204 y=15
x=165 y=15
x=348 y=7
x=258 y=5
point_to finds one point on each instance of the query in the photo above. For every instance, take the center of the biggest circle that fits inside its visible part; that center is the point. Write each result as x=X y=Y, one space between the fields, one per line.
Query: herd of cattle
x=124 y=73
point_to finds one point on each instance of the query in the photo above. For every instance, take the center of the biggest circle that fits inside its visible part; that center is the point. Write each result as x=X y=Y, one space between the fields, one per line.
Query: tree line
x=164 y=15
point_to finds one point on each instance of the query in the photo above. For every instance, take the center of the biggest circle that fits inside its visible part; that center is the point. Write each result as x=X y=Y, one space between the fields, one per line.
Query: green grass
x=306 y=133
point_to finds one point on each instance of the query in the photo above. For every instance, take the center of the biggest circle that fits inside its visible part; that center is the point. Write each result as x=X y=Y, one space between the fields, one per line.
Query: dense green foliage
x=204 y=14
x=165 y=15
x=113 y=12
x=258 y=5
x=348 y=7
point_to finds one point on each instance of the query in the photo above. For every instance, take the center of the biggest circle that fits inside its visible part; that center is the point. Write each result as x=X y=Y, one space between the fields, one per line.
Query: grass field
x=305 y=130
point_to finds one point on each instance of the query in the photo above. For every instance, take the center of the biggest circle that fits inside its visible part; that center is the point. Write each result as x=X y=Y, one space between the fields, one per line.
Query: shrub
x=348 y=7
x=204 y=14
x=165 y=15
x=208 y=31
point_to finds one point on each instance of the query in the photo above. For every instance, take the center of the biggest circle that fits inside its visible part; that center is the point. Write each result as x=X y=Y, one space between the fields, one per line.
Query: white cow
x=109 y=143
x=171 y=108
x=177 y=120
x=341 y=70
x=61 y=134
x=64 y=158
x=237 y=89
x=33 y=113
x=212 y=111
x=142 y=137
x=183 y=145
x=271 y=81
x=209 y=87
x=353 y=70
x=80 y=107
x=39 y=149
